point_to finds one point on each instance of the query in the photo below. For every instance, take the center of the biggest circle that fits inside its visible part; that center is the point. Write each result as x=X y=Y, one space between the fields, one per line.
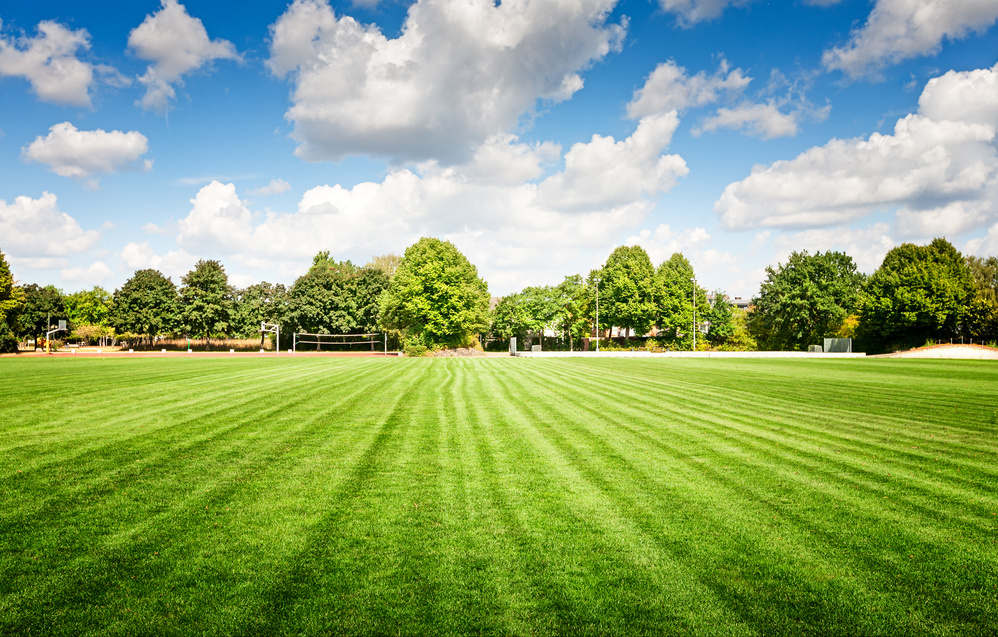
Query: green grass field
x=498 y=496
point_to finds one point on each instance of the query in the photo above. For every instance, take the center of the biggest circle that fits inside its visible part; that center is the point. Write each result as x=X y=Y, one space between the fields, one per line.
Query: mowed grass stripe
x=755 y=495
x=503 y=497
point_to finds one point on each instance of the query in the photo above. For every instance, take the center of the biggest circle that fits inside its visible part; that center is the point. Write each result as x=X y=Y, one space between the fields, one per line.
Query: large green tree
x=89 y=307
x=259 y=303
x=805 y=300
x=336 y=297
x=919 y=294
x=436 y=296
x=11 y=302
x=207 y=301
x=627 y=290
x=680 y=302
x=719 y=316
x=43 y=306
x=982 y=319
x=146 y=304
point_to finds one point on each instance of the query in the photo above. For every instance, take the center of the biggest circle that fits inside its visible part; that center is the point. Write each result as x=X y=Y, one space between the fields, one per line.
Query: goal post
x=339 y=340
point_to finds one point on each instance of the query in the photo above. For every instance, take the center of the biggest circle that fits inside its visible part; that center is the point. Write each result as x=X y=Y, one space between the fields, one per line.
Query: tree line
x=432 y=297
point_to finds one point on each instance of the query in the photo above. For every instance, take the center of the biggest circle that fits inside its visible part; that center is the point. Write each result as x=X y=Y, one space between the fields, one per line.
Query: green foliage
x=627 y=290
x=336 y=298
x=387 y=263
x=259 y=303
x=207 y=301
x=146 y=304
x=11 y=303
x=741 y=339
x=674 y=295
x=509 y=318
x=89 y=307
x=720 y=315
x=41 y=305
x=436 y=294
x=982 y=314
x=805 y=300
x=919 y=293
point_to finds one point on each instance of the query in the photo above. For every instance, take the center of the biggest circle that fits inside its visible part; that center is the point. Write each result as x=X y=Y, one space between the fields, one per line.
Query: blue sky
x=536 y=136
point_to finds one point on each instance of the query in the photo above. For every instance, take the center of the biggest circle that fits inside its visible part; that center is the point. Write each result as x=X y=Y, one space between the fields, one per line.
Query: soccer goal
x=349 y=342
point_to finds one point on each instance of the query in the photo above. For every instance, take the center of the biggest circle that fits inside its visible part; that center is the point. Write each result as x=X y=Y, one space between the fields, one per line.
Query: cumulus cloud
x=670 y=87
x=36 y=228
x=867 y=246
x=141 y=256
x=901 y=29
x=49 y=63
x=176 y=44
x=519 y=216
x=938 y=170
x=689 y=12
x=461 y=72
x=96 y=272
x=275 y=187
x=69 y=152
x=762 y=120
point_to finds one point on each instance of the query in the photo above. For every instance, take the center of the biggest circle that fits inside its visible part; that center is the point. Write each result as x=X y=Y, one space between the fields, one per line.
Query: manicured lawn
x=498 y=496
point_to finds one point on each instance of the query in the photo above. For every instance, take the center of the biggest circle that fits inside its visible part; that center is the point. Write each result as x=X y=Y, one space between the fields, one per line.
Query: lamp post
x=597 y=315
x=694 y=280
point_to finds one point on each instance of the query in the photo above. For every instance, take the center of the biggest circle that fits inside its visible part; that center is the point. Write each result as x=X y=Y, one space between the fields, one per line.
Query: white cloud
x=867 y=246
x=461 y=72
x=37 y=228
x=97 y=272
x=176 y=44
x=689 y=12
x=605 y=173
x=48 y=62
x=939 y=168
x=69 y=152
x=141 y=256
x=505 y=221
x=670 y=87
x=275 y=187
x=900 y=29
x=663 y=242
x=762 y=120
x=986 y=246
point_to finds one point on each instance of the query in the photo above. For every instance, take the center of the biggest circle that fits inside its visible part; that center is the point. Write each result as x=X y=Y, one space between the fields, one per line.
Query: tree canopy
x=11 y=302
x=805 y=300
x=206 y=301
x=336 y=297
x=89 y=307
x=982 y=319
x=258 y=303
x=436 y=296
x=627 y=290
x=675 y=288
x=146 y=304
x=919 y=293
x=43 y=306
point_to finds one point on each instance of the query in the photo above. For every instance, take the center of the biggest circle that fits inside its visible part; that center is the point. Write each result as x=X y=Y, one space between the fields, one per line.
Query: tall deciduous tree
x=919 y=293
x=436 y=296
x=89 y=307
x=982 y=320
x=720 y=317
x=146 y=304
x=336 y=298
x=627 y=290
x=43 y=306
x=676 y=310
x=804 y=300
x=258 y=303
x=207 y=301
x=11 y=302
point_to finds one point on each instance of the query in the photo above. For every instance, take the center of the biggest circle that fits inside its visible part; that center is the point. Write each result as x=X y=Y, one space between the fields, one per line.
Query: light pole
x=597 y=315
x=694 y=279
